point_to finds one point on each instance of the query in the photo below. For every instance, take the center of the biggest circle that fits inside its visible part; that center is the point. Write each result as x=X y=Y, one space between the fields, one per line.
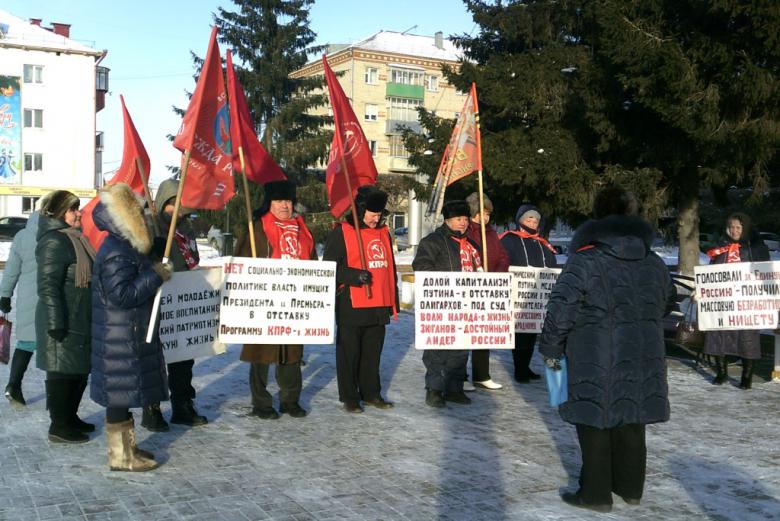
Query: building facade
x=387 y=77
x=51 y=87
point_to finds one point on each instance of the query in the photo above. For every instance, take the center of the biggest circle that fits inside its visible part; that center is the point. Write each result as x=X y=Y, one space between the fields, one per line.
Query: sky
x=149 y=46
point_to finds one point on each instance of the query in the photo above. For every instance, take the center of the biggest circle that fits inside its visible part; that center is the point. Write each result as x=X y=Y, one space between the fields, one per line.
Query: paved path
x=504 y=457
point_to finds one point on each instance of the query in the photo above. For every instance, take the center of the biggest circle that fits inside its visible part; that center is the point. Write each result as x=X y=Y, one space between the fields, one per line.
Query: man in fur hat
x=279 y=234
x=447 y=248
x=361 y=320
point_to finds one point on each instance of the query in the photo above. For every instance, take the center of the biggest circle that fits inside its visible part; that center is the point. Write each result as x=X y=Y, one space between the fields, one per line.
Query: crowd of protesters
x=85 y=313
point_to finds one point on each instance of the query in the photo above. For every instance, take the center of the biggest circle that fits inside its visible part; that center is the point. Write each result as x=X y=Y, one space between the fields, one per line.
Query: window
x=28 y=204
x=397 y=148
x=371 y=76
x=33 y=73
x=406 y=77
x=33 y=162
x=372 y=146
x=433 y=83
x=404 y=109
x=33 y=118
x=371 y=112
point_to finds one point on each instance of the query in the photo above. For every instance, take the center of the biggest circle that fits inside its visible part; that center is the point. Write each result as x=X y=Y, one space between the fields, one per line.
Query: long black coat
x=438 y=252
x=126 y=370
x=605 y=315
x=745 y=343
x=61 y=305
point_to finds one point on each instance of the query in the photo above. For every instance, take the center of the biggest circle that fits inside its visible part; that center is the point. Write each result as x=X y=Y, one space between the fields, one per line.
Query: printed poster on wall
x=462 y=310
x=739 y=295
x=277 y=301
x=532 y=288
x=189 y=315
x=10 y=130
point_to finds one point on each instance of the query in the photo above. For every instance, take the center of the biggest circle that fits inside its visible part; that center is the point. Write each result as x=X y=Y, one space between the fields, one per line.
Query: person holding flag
x=361 y=319
x=447 y=248
x=278 y=234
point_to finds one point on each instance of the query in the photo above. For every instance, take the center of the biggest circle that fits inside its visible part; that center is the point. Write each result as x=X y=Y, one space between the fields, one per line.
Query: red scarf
x=469 y=256
x=379 y=257
x=289 y=239
x=732 y=250
x=535 y=236
x=188 y=250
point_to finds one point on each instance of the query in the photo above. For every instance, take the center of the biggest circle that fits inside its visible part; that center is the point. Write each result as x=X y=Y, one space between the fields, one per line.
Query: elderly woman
x=127 y=371
x=63 y=315
x=738 y=244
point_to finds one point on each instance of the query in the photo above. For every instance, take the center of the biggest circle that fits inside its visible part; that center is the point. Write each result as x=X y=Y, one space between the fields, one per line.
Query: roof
x=23 y=34
x=410 y=45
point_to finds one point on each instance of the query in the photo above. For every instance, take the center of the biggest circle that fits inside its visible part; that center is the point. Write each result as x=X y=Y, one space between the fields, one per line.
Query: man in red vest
x=362 y=319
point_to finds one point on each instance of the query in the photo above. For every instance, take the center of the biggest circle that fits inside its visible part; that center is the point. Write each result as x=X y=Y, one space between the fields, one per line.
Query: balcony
x=394 y=126
x=400 y=164
x=403 y=90
x=101 y=87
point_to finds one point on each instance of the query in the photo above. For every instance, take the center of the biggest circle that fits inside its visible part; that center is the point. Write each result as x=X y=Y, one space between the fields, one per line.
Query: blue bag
x=556 y=384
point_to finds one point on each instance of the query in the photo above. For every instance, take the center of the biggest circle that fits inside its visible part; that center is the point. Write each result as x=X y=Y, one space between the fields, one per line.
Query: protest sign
x=463 y=310
x=189 y=315
x=738 y=295
x=277 y=301
x=531 y=288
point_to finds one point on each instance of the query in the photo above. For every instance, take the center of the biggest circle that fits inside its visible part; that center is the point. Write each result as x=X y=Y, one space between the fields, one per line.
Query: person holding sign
x=526 y=247
x=126 y=370
x=447 y=248
x=605 y=315
x=184 y=256
x=361 y=320
x=279 y=234
x=738 y=244
x=498 y=261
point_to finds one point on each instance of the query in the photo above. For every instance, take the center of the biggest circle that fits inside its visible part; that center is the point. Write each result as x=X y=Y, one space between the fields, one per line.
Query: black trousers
x=288 y=378
x=117 y=414
x=63 y=396
x=444 y=369
x=480 y=365
x=358 y=349
x=180 y=381
x=523 y=352
x=613 y=460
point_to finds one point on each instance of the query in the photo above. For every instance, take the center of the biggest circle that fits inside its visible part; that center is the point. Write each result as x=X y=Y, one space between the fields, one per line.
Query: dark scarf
x=85 y=255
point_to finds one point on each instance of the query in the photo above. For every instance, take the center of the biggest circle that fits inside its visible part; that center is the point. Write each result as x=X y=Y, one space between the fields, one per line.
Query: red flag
x=465 y=141
x=205 y=132
x=349 y=143
x=260 y=166
x=127 y=172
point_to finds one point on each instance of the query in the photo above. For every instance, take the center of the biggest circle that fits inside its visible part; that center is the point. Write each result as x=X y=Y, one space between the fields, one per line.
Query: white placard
x=277 y=301
x=189 y=315
x=738 y=295
x=532 y=288
x=462 y=310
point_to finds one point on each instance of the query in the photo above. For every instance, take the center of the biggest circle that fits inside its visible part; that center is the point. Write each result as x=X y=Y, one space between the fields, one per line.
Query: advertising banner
x=10 y=130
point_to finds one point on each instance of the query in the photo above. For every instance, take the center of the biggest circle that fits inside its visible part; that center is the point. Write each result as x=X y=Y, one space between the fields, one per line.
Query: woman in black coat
x=127 y=371
x=526 y=247
x=738 y=244
x=63 y=314
x=605 y=316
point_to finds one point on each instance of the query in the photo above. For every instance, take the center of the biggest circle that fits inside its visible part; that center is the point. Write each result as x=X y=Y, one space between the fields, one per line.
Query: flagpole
x=249 y=222
x=483 y=225
x=168 y=244
x=355 y=218
x=148 y=195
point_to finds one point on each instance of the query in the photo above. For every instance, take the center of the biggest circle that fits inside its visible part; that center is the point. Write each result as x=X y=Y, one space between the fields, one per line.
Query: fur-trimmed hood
x=119 y=212
x=624 y=237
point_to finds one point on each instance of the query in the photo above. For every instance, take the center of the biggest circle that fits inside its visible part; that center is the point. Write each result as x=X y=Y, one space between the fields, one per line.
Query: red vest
x=380 y=262
x=289 y=239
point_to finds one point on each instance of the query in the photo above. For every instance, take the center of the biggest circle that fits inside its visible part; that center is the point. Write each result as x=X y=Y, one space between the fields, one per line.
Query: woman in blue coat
x=605 y=315
x=126 y=370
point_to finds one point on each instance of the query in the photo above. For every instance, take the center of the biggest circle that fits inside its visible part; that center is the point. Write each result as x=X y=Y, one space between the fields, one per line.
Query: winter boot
x=747 y=374
x=141 y=453
x=184 y=413
x=434 y=398
x=121 y=451
x=58 y=401
x=77 y=392
x=721 y=370
x=19 y=363
x=152 y=419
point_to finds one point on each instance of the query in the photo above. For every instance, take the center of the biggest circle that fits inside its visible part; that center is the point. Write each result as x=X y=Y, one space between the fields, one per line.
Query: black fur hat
x=614 y=200
x=370 y=198
x=58 y=203
x=275 y=191
x=458 y=208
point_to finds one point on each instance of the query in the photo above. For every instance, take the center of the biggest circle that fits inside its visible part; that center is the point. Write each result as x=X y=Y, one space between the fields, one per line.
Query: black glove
x=58 y=334
x=5 y=304
x=364 y=277
x=553 y=363
x=158 y=247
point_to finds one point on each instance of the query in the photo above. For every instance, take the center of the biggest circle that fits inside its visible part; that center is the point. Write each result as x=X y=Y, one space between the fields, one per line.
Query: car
x=401 y=238
x=10 y=226
x=772 y=240
x=403 y=230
